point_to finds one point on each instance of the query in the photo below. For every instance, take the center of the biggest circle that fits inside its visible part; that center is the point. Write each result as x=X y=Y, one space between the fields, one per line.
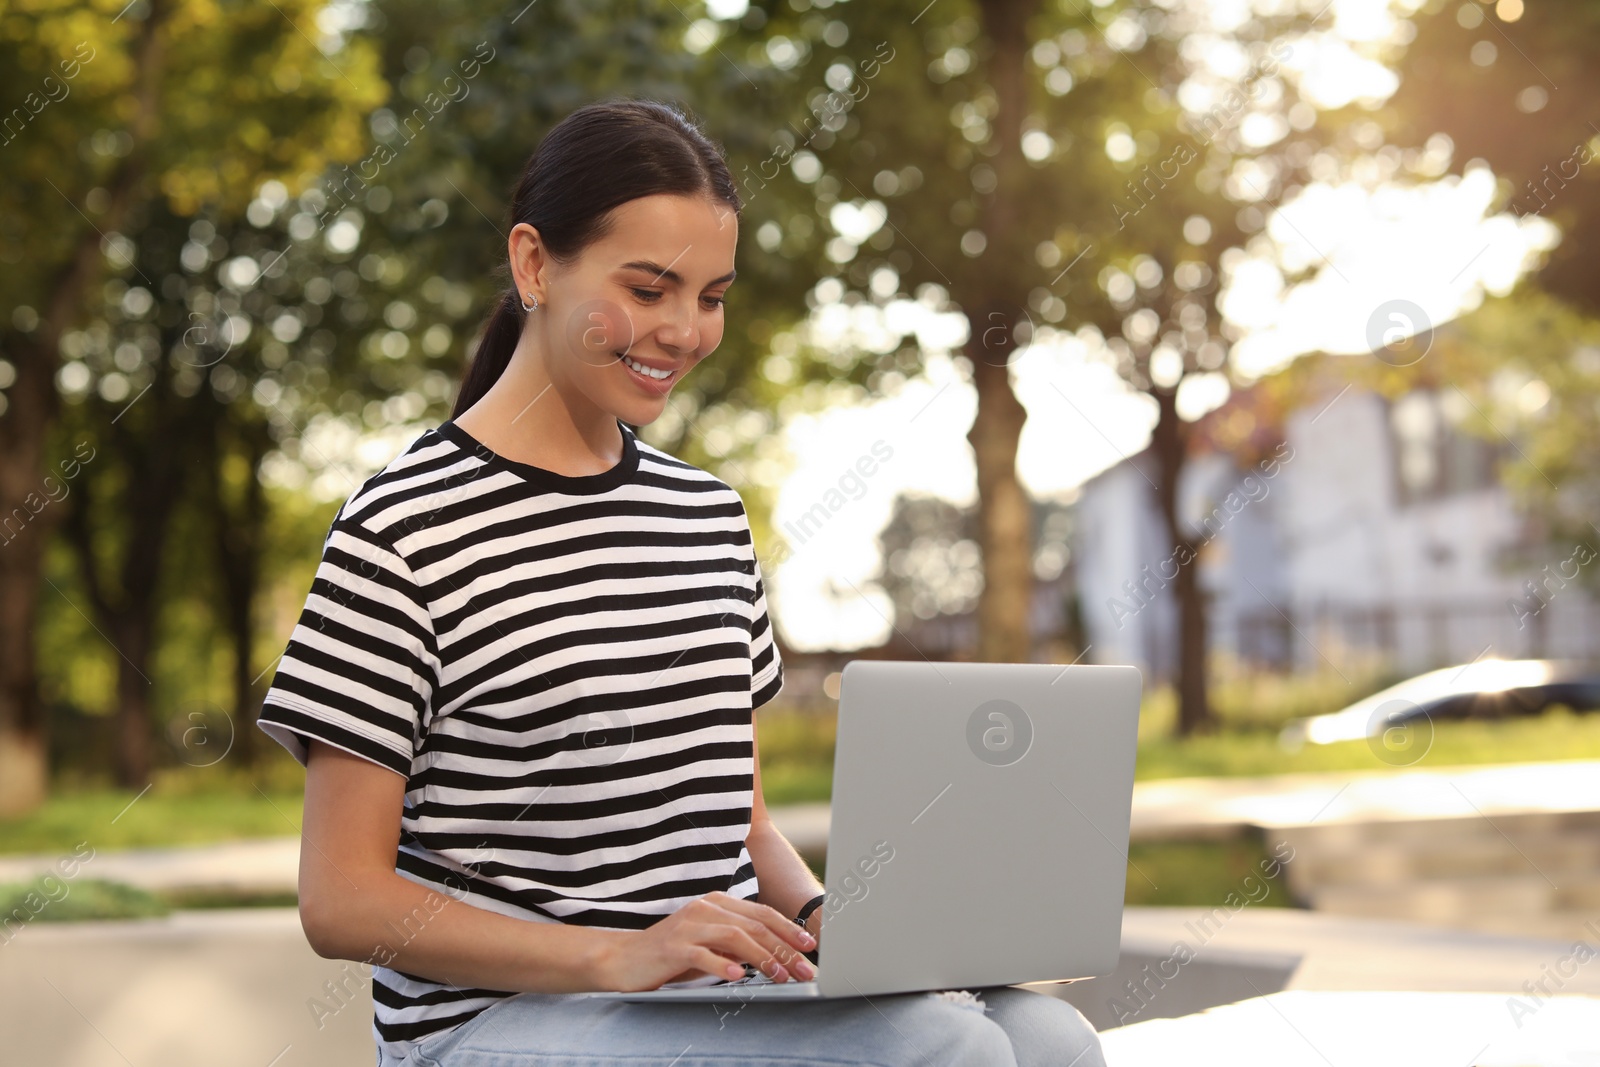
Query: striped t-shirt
x=563 y=668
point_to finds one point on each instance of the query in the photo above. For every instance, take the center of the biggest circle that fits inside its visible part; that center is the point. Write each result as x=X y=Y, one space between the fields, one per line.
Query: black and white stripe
x=564 y=669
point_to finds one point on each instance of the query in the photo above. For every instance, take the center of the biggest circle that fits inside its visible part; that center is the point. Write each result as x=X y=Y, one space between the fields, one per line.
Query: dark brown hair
x=598 y=157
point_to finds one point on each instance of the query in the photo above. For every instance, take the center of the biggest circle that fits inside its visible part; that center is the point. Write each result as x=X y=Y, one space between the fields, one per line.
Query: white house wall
x=1327 y=566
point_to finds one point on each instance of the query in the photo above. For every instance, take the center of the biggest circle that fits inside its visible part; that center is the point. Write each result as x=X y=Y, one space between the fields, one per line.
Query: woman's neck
x=527 y=417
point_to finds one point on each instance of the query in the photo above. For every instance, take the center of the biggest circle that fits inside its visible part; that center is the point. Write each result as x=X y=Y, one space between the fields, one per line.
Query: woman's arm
x=786 y=883
x=354 y=906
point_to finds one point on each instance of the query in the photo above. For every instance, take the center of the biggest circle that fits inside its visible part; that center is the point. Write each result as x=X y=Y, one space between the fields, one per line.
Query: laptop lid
x=979 y=825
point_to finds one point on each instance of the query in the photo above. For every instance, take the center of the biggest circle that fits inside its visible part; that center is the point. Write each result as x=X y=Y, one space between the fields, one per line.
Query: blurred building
x=1124 y=561
x=1381 y=533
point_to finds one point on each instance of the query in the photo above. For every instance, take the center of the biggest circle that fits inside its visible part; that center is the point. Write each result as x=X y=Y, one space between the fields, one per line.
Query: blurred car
x=1485 y=689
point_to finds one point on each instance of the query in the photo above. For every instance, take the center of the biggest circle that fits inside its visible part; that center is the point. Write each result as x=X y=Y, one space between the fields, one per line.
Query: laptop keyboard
x=755 y=977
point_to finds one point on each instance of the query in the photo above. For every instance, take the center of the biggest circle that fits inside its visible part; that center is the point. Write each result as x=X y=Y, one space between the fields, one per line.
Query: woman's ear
x=528 y=261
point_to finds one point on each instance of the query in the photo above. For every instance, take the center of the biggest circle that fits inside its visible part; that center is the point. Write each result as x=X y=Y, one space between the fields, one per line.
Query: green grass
x=1203 y=874
x=796 y=749
x=1557 y=735
x=1252 y=709
x=204 y=899
x=52 y=899
x=183 y=806
x=153 y=821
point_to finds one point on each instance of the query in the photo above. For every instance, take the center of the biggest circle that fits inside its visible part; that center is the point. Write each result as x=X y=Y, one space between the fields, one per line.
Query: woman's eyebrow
x=671 y=275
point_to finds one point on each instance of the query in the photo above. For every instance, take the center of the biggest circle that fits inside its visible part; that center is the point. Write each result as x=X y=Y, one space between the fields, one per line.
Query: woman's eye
x=650 y=296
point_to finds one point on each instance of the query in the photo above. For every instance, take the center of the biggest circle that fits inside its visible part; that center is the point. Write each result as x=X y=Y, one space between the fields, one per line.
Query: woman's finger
x=773 y=955
x=786 y=929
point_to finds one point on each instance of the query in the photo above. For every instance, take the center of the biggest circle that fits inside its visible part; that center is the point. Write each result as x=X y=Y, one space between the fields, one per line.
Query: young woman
x=524 y=678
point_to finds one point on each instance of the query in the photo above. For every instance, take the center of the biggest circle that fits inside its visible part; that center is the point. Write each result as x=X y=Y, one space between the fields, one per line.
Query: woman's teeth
x=648 y=372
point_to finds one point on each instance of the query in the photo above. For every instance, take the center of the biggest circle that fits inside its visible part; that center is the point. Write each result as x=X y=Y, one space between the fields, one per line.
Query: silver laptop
x=979 y=832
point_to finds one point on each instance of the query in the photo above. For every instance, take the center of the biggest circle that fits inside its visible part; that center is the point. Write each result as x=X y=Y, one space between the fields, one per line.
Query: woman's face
x=639 y=308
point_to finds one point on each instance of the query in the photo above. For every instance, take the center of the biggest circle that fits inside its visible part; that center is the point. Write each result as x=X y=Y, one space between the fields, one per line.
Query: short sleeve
x=360 y=667
x=766 y=666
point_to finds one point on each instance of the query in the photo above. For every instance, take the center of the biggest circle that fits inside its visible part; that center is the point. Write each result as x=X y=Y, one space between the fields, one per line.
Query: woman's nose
x=682 y=331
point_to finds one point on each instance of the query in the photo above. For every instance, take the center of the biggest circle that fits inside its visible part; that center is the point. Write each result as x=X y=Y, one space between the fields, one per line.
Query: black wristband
x=808 y=907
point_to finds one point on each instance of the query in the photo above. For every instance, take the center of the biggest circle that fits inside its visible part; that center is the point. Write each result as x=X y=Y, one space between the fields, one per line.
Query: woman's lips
x=644 y=378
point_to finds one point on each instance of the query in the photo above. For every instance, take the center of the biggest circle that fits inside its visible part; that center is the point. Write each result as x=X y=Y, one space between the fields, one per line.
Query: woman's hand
x=714 y=934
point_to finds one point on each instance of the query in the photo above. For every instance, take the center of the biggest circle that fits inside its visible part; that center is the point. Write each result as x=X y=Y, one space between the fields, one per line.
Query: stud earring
x=535 y=305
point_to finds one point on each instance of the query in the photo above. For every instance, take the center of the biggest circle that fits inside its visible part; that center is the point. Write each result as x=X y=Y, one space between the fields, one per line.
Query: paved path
x=1350 y=1029
x=195 y=989
x=1185 y=960
x=264 y=865
x=242 y=989
x=1343 y=953
x=1180 y=804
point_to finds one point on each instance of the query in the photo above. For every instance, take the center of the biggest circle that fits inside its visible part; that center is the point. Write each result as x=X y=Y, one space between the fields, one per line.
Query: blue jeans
x=1016 y=1028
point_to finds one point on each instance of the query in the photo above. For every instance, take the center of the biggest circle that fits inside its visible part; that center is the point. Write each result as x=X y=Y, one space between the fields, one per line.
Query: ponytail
x=500 y=337
x=597 y=158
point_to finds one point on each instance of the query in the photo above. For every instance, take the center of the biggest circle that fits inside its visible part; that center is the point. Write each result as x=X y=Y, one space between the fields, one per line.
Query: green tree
x=182 y=397
x=1034 y=166
x=163 y=101
x=1513 y=84
x=1529 y=364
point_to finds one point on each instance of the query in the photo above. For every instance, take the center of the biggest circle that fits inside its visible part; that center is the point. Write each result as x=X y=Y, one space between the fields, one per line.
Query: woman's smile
x=652 y=376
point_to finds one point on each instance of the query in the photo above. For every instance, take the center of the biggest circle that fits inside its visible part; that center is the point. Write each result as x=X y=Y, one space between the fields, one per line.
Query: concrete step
x=1527 y=904
x=1454 y=901
x=1567 y=926
x=1578 y=891
x=1391 y=862
x=1444 y=833
x=1563 y=926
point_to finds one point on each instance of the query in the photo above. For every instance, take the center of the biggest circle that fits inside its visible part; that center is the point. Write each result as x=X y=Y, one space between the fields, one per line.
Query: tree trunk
x=238 y=533
x=142 y=508
x=134 y=640
x=1005 y=526
x=1169 y=442
x=1005 y=514
x=129 y=612
x=26 y=517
